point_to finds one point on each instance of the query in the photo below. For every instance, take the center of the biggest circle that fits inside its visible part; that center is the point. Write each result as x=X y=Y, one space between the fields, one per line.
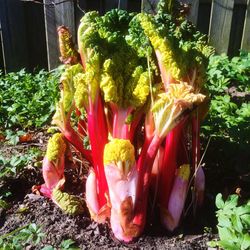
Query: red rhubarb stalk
x=169 y=166
x=98 y=136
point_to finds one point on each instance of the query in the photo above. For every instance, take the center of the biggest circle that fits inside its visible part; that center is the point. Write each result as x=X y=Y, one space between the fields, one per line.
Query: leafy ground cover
x=27 y=100
x=227 y=122
x=31 y=221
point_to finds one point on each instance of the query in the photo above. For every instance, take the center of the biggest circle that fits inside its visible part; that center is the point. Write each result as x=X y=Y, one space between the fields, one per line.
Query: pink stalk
x=91 y=195
x=134 y=125
x=199 y=177
x=73 y=138
x=52 y=174
x=122 y=191
x=145 y=164
x=157 y=166
x=120 y=128
x=170 y=163
x=171 y=217
x=98 y=135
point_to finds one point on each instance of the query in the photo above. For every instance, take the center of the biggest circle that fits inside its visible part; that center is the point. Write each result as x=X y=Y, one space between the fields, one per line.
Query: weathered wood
x=220 y=24
x=122 y=4
x=193 y=15
x=14 y=35
x=59 y=13
x=149 y=6
x=64 y=14
x=2 y=62
x=235 y=1
x=240 y=2
x=245 y=44
x=50 y=31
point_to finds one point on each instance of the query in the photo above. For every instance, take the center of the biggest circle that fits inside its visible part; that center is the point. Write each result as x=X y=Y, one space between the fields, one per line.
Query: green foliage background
x=27 y=100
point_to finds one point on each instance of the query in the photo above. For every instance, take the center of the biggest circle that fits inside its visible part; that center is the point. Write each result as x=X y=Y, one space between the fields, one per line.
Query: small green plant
x=11 y=166
x=65 y=245
x=233 y=223
x=21 y=237
x=12 y=137
x=27 y=100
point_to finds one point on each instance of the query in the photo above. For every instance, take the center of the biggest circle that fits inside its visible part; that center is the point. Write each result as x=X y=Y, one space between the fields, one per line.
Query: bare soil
x=26 y=208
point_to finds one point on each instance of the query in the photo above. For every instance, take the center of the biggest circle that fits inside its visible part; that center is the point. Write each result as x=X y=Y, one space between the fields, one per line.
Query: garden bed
x=26 y=207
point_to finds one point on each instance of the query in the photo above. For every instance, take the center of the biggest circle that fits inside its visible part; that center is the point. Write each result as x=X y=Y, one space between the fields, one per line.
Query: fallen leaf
x=26 y=138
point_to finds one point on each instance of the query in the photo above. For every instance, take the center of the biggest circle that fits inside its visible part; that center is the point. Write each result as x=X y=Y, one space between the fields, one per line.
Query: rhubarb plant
x=135 y=90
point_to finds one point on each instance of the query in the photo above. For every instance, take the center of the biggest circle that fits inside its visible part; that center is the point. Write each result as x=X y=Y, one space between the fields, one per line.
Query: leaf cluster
x=233 y=223
x=29 y=235
x=229 y=87
x=11 y=166
x=65 y=245
x=27 y=100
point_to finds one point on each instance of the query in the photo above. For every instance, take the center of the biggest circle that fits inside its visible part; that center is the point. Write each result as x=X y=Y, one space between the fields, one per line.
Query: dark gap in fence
x=14 y=35
x=134 y=5
x=84 y=6
x=36 y=41
x=92 y=5
x=204 y=17
x=79 y=8
x=236 y=29
x=111 y=4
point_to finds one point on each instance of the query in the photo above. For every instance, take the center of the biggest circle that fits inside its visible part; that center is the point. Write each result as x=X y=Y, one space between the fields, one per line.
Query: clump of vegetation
x=228 y=83
x=229 y=89
x=10 y=166
x=64 y=245
x=30 y=235
x=20 y=238
x=27 y=100
x=233 y=223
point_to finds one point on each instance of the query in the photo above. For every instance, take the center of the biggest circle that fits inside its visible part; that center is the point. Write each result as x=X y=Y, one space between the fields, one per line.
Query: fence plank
x=2 y=62
x=64 y=14
x=193 y=16
x=56 y=15
x=122 y=4
x=50 y=31
x=13 y=34
x=245 y=44
x=220 y=24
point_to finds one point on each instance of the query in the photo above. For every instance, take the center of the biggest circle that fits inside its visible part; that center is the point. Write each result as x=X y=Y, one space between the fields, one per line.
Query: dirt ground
x=57 y=226
x=87 y=234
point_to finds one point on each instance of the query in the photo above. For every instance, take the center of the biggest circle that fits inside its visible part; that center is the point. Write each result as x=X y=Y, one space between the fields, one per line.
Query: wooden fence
x=28 y=27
